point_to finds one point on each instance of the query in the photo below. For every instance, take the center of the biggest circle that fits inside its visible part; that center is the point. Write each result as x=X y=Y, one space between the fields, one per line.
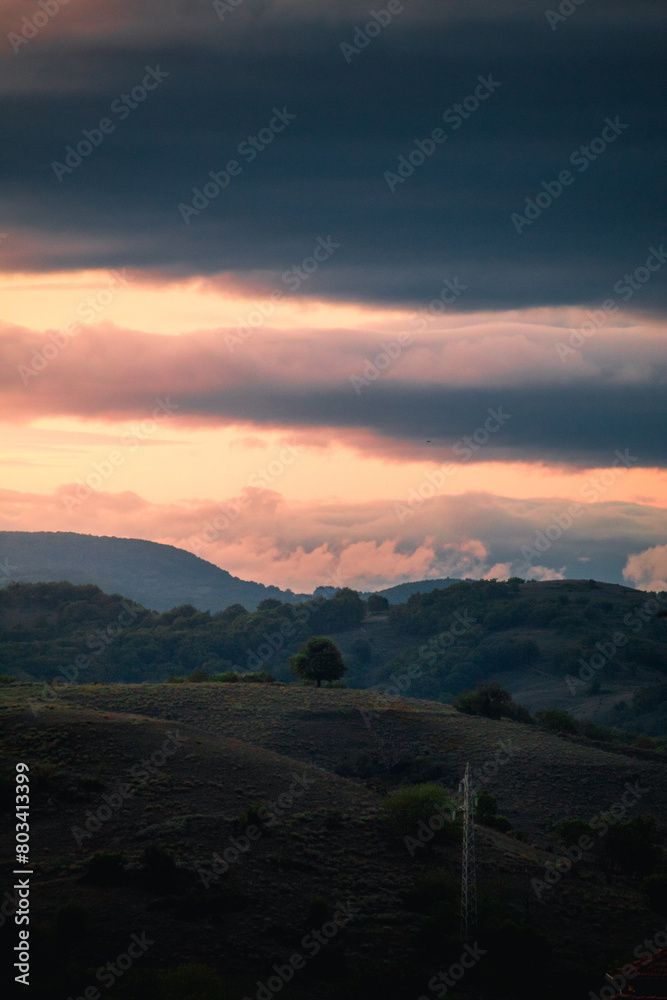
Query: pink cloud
x=648 y=569
x=261 y=536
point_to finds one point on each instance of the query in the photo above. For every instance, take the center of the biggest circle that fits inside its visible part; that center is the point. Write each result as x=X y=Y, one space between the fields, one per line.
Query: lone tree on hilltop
x=318 y=660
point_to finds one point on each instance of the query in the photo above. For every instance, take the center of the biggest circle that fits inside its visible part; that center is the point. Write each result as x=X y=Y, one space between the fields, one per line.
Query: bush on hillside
x=407 y=807
x=491 y=701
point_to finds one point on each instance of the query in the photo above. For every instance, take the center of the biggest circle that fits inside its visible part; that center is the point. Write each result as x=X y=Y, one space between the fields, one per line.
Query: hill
x=158 y=576
x=402 y=591
x=199 y=763
x=596 y=650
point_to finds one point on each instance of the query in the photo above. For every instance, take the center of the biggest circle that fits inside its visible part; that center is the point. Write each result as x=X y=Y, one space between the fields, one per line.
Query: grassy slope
x=244 y=744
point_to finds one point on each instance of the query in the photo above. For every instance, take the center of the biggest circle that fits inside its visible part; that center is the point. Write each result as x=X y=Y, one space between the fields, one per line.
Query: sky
x=331 y=295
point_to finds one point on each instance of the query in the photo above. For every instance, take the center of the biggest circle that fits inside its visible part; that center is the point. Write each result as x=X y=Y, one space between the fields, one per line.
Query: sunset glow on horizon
x=397 y=381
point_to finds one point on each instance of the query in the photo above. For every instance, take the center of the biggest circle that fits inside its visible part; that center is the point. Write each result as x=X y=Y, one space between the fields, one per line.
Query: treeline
x=473 y=629
x=59 y=629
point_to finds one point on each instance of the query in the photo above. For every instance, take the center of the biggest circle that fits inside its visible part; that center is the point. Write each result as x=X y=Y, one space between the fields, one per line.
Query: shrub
x=175 y=680
x=571 y=830
x=491 y=701
x=498 y=822
x=257 y=677
x=227 y=677
x=6 y=679
x=486 y=813
x=485 y=806
x=407 y=807
x=199 y=676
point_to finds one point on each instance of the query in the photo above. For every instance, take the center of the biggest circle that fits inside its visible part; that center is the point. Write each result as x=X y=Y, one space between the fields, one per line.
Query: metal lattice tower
x=468 y=873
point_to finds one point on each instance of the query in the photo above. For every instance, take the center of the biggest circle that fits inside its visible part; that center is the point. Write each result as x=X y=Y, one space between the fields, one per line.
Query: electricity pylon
x=468 y=872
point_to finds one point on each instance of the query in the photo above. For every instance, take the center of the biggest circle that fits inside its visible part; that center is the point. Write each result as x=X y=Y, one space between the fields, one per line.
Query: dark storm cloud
x=325 y=172
x=580 y=425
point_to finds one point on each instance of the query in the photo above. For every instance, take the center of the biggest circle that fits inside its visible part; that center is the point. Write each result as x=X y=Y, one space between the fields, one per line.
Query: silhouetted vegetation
x=491 y=701
x=318 y=660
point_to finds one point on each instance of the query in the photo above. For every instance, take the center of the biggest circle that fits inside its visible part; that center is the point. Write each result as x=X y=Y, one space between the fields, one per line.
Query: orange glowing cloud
x=259 y=535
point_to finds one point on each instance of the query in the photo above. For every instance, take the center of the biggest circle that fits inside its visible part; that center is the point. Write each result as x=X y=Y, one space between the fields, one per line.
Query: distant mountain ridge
x=158 y=576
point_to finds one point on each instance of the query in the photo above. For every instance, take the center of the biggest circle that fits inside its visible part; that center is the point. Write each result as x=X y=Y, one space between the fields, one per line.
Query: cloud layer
x=441 y=386
x=258 y=535
x=354 y=120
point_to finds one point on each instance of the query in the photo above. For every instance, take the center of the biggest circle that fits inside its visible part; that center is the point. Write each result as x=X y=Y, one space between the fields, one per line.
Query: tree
x=377 y=604
x=318 y=660
x=491 y=701
x=269 y=603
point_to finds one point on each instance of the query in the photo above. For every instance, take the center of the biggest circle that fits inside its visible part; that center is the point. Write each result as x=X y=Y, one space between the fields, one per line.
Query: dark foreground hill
x=150 y=775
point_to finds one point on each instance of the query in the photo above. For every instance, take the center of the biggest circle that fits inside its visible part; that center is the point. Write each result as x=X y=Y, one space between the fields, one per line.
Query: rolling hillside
x=233 y=752
x=157 y=576
x=596 y=650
